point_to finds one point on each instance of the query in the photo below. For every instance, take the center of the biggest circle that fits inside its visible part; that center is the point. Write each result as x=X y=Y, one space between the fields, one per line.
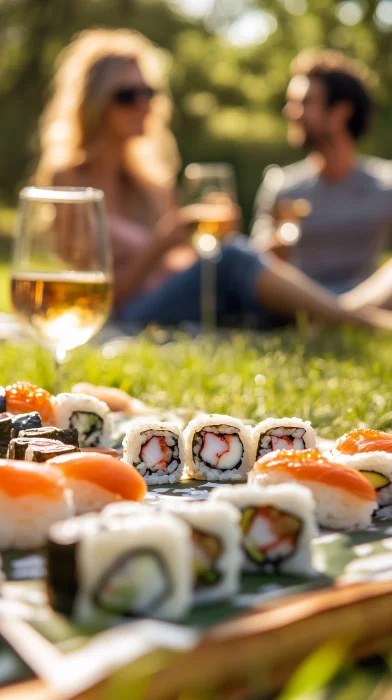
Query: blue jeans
x=178 y=300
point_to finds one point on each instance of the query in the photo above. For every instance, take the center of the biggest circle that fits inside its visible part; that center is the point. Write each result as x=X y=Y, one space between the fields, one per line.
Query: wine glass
x=209 y=195
x=209 y=192
x=61 y=274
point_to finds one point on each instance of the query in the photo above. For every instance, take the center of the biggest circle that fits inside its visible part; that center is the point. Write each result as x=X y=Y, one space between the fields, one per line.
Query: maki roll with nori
x=88 y=415
x=68 y=437
x=218 y=448
x=277 y=524
x=3 y=402
x=139 y=569
x=41 y=449
x=283 y=434
x=62 y=570
x=216 y=553
x=18 y=446
x=25 y=421
x=156 y=450
x=5 y=433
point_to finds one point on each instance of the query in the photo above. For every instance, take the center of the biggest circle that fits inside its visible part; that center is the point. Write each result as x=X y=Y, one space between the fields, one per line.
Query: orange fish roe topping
x=364 y=440
x=19 y=478
x=24 y=397
x=310 y=465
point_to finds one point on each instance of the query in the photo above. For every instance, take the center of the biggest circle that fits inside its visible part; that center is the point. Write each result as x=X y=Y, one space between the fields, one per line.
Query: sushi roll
x=24 y=397
x=283 y=434
x=156 y=450
x=68 y=437
x=363 y=440
x=344 y=498
x=32 y=498
x=376 y=467
x=216 y=554
x=277 y=524
x=96 y=480
x=5 y=434
x=88 y=415
x=25 y=421
x=17 y=448
x=218 y=448
x=3 y=402
x=142 y=568
x=41 y=449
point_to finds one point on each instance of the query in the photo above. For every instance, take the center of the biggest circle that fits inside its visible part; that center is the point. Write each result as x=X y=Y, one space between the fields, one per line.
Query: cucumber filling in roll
x=218 y=449
x=159 y=453
x=281 y=438
x=207 y=551
x=89 y=426
x=269 y=535
x=135 y=584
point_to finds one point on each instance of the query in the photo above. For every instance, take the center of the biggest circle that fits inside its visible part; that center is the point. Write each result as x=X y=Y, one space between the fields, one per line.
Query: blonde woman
x=106 y=126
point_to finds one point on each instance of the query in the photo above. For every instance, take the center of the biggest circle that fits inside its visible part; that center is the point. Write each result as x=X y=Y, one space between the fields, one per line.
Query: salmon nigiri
x=98 y=479
x=32 y=498
x=344 y=498
x=363 y=440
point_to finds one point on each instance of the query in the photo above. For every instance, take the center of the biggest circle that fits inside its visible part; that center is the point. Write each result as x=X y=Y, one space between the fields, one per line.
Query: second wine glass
x=61 y=275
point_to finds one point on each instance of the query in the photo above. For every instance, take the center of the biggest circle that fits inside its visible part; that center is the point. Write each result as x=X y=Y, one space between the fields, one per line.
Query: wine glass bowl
x=61 y=278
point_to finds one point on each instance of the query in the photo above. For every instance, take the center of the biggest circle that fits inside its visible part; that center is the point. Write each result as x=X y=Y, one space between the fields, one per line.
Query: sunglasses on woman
x=129 y=96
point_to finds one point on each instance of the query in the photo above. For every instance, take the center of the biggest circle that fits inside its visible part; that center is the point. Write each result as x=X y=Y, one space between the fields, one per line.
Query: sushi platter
x=191 y=537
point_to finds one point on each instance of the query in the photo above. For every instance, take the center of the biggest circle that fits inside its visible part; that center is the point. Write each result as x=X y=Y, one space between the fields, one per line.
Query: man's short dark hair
x=345 y=81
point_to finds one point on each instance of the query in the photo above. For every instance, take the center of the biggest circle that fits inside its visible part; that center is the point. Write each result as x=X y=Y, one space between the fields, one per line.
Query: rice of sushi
x=216 y=550
x=90 y=416
x=283 y=434
x=277 y=523
x=218 y=448
x=376 y=467
x=156 y=450
x=143 y=568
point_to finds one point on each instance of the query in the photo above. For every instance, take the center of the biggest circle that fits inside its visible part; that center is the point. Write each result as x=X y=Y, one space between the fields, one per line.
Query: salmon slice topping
x=310 y=465
x=364 y=440
x=19 y=479
x=105 y=471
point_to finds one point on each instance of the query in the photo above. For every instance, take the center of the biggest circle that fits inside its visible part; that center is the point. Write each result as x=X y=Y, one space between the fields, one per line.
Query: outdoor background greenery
x=227 y=98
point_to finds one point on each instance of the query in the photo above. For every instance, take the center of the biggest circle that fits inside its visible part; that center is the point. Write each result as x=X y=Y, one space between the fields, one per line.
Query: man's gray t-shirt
x=349 y=223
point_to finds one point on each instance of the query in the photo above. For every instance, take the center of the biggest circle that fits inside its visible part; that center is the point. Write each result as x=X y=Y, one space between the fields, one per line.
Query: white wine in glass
x=209 y=192
x=61 y=275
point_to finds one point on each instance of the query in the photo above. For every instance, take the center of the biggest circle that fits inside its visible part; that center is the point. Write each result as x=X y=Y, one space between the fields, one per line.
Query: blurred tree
x=228 y=93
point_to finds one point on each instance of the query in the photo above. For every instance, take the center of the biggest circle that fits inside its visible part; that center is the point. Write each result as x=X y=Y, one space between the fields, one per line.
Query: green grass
x=339 y=379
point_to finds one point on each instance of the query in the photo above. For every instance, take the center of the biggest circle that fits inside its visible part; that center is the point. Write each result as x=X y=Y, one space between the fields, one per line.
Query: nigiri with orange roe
x=363 y=440
x=32 y=498
x=98 y=479
x=344 y=497
x=24 y=397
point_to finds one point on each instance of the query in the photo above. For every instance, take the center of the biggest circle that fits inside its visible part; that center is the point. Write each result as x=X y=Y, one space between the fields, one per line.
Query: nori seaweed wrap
x=3 y=406
x=42 y=449
x=17 y=448
x=5 y=434
x=68 y=437
x=25 y=421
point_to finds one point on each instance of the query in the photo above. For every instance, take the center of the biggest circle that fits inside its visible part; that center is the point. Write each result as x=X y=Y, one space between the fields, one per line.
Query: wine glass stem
x=208 y=294
x=59 y=358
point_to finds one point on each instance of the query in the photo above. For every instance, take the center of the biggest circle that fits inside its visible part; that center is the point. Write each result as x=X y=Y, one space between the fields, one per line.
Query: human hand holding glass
x=61 y=285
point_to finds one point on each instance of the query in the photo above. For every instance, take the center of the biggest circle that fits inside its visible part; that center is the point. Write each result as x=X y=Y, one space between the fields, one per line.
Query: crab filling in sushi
x=281 y=438
x=136 y=583
x=89 y=426
x=218 y=450
x=159 y=453
x=269 y=535
x=207 y=551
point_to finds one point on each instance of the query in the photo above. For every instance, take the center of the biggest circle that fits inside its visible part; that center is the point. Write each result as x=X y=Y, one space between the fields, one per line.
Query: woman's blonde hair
x=88 y=72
